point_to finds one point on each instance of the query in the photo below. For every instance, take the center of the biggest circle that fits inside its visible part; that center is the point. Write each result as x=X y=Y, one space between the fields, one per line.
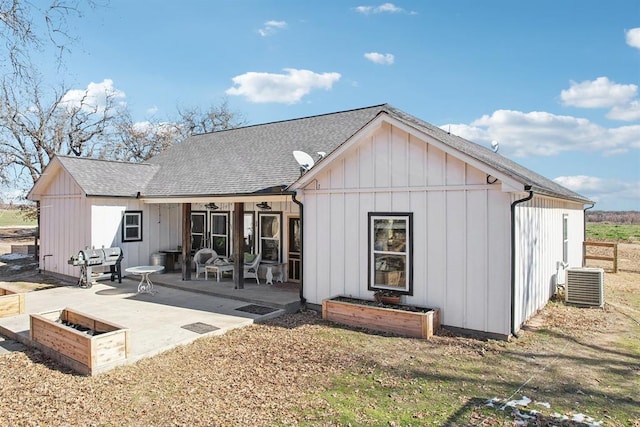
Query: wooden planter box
x=11 y=303
x=420 y=324
x=84 y=353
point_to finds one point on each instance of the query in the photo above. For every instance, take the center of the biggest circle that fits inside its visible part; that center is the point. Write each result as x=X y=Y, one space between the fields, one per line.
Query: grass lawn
x=13 y=217
x=614 y=232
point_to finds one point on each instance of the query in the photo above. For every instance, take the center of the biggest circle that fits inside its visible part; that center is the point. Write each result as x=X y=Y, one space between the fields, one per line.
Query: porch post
x=238 y=245
x=186 y=241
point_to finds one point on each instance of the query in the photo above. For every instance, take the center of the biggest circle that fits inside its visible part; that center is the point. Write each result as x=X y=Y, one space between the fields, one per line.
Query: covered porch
x=284 y=296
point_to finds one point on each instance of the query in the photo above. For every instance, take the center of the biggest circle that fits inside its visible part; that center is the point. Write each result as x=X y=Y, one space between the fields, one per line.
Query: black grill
x=88 y=259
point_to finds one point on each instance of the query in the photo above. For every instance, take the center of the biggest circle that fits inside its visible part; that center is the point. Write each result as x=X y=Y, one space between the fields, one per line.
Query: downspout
x=301 y=206
x=513 y=257
x=584 y=230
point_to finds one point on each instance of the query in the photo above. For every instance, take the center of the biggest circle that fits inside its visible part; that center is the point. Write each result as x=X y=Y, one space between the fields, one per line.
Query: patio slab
x=159 y=322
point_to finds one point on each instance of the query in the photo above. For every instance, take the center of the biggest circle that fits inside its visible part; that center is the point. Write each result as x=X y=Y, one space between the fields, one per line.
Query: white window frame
x=213 y=236
x=126 y=227
x=376 y=251
x=277 y=238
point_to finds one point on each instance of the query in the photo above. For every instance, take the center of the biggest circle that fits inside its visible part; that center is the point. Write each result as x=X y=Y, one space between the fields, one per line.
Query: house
x=395 y=203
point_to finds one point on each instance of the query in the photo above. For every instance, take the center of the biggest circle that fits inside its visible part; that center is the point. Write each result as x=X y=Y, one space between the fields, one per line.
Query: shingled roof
x=259 y=158
x=108 y=178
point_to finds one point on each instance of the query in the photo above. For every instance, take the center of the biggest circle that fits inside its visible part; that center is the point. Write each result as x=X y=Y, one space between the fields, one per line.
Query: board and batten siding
x=539 y=251
x=59 y=237
x=461 y=228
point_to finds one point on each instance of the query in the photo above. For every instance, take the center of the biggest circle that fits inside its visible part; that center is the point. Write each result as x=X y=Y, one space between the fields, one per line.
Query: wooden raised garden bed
x=418 y=322
x=79 y=341
x=11 y=303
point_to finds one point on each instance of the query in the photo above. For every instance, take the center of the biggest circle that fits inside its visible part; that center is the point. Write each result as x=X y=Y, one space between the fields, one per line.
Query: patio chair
x=202 y=258
x=251 y=268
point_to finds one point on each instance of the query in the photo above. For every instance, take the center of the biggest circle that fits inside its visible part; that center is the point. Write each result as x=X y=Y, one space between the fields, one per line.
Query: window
x=220 y=233
x=198 y=227
x=248 y=232
x=565 y=238
x=270 y=236
x=390 y=252
x=132 y=226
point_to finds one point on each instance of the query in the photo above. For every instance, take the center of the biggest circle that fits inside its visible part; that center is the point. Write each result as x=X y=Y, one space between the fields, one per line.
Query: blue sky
x=554 y=82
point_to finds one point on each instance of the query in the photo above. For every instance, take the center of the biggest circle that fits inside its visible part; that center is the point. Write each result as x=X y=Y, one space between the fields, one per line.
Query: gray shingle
x=108 y=178
x=257 y=158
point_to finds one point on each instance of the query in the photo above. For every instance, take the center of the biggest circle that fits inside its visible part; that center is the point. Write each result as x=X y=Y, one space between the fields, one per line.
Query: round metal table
x=145 y=286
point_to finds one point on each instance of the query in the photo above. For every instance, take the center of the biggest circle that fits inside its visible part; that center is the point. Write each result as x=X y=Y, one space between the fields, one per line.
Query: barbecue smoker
x=98 y=259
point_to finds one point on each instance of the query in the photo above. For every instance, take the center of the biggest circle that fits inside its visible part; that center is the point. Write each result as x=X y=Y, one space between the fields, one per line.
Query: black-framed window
x=132 y=226
x=390 y=252
x=270 y=242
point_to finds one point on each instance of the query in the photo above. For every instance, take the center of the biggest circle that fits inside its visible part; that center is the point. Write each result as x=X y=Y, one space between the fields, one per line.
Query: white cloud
x=629 y=112
x=286 y=88
x=383 y=8
x=599 y=93
x=153 y=110
x=380 y=58
x=270 y=27
x=633 y=37
x=93 y=97
x=545 y=134
x=602 y=190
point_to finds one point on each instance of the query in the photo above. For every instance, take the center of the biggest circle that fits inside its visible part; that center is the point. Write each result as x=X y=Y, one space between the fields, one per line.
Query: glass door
x=220 y=233
x=295 y=246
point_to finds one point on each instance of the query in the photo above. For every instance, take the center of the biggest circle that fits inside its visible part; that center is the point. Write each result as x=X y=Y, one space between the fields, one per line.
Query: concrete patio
x=177 y=314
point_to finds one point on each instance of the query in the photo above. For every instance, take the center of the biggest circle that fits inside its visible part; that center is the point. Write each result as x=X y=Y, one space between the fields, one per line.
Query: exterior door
x=295 y=244
x=220 y=233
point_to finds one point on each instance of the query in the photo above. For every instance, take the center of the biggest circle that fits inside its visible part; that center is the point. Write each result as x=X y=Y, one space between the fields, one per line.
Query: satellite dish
x=304 y=160
x=495 y=146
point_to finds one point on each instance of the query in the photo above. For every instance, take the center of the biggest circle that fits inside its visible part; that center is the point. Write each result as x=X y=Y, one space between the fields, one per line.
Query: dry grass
x=300 y=370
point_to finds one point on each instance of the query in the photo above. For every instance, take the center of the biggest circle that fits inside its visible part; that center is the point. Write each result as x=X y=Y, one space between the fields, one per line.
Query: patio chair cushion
x=249 y=258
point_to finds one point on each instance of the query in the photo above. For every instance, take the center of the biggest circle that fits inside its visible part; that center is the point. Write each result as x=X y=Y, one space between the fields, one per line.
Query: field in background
x=14 y=217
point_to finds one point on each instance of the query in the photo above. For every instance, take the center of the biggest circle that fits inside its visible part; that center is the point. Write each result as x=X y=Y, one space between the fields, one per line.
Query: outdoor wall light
x=264 y=206
x=211 y=206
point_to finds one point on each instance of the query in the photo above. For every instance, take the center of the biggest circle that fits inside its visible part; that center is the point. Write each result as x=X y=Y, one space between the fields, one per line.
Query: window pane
x=390 y=235
x=131 y=219
x=270 y=250
x=269 y=226
x=219 y=224
x=131 y=233
x=390 y=270
x=248 y=233
x=220 y=245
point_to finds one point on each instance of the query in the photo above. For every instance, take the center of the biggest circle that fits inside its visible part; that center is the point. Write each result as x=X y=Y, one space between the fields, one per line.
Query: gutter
x=303 y=300
x=513 y=257
x=584 y=221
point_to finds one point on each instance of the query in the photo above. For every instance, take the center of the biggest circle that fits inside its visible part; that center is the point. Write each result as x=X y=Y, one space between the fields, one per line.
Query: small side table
x=217 y=269
x=173 y=256
x=145 y=286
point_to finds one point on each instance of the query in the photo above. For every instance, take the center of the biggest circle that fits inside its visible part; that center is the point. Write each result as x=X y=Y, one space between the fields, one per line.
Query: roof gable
x=97 y=177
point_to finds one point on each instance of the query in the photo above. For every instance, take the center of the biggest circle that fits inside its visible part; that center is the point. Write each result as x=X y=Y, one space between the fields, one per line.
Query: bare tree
x=139 y=141
x=194 y=120
x=27 y=27
x=34 y=127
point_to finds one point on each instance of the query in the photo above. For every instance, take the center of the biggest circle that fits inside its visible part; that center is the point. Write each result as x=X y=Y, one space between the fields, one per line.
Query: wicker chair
x=202 y=258
x=251 y=269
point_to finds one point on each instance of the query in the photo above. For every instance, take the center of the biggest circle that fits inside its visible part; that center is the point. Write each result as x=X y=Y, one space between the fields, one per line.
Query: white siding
x=64 y=225
x=539 y=247
x=460 y=234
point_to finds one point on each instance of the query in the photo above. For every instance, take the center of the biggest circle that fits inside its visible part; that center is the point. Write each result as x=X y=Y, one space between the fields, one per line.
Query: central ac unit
x=585 y=286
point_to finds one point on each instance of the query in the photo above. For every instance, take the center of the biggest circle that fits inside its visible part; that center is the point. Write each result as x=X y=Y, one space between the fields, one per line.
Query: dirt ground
x=266 y=374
